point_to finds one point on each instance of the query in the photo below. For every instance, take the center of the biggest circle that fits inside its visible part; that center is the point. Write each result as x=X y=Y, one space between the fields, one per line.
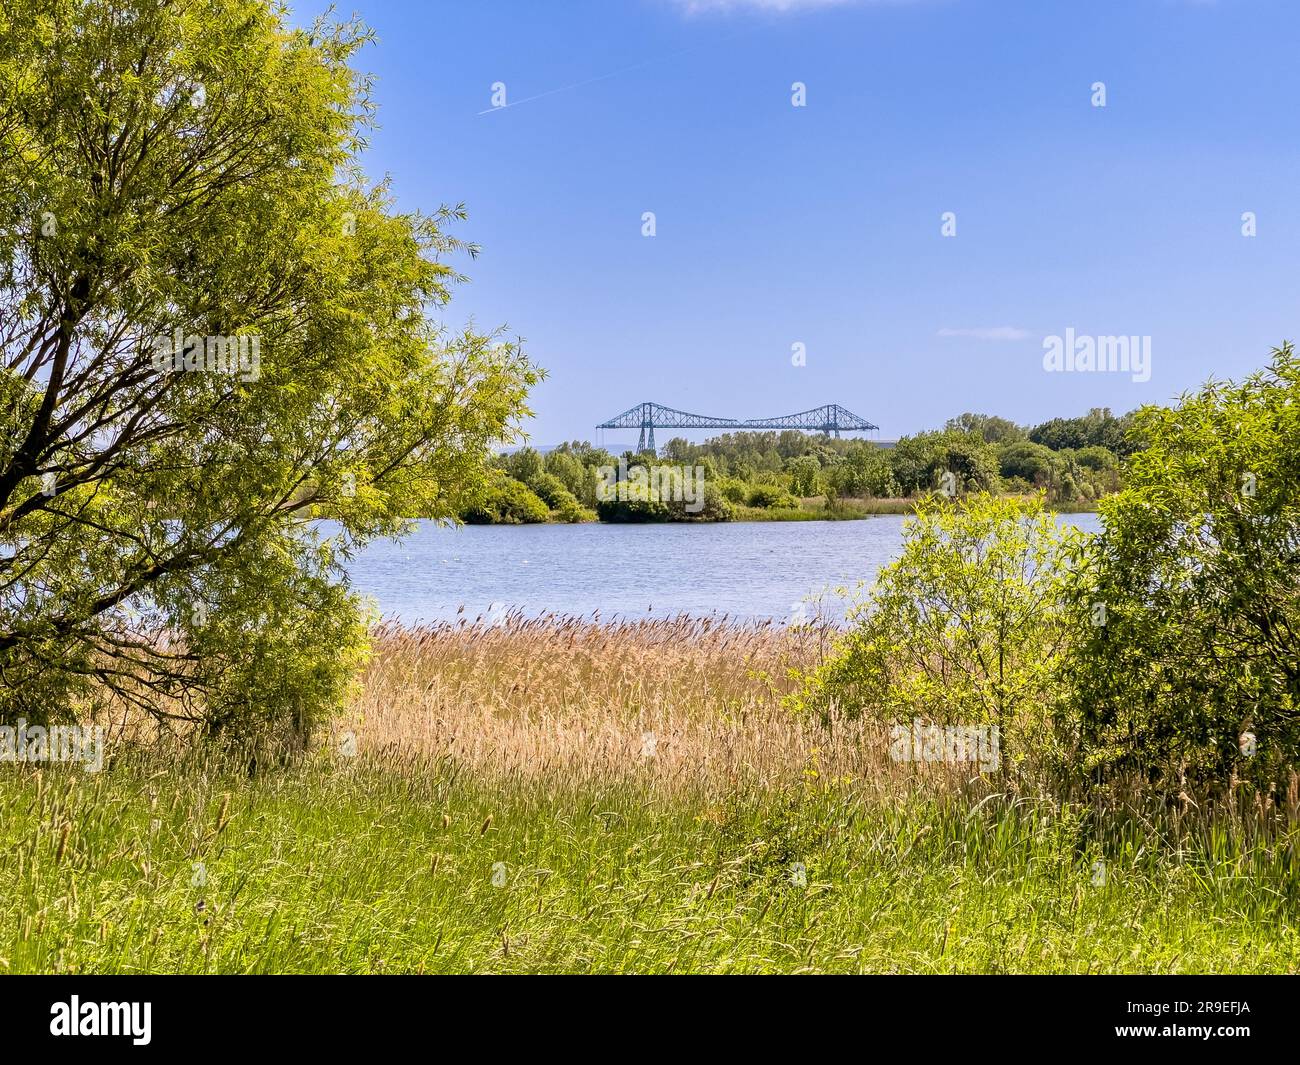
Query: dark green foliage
x=653 y=499
x=804 y=473
x=1032 y=463
x=770 y=495
x=989 y=427
x=1162 y=653
x=507 y=502
x=1097 y=428
x=920 y=461
x=1190 y=646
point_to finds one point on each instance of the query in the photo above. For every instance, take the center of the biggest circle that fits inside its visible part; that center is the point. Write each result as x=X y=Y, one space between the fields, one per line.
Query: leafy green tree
x=577 y=464
x=712 y=507
x=733 y=489
x=964 y=628
x=1032 y=463
x=1189 y=669
x=804 y=472
x=214 y=331
x=637 y=505
x=920 y=461
x=770 y=495
x=563 y=504
x=585 y=452
x=570 y=472
x=649 y=495
x=1097 y=428
x=1097 y=458
x=864 y=471
x=840 y=480
x=679 y=450
x=989 y=427
x=525 y=465
x=506 y=501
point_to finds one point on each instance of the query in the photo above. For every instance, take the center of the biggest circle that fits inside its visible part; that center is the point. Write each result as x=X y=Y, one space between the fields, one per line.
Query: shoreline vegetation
x=854 y=509
x=792 y=476
x=814 y=508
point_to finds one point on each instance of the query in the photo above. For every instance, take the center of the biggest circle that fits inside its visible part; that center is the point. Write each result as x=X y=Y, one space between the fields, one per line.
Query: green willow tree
x=965 y=627
x=1188 y=672
x=179 y=177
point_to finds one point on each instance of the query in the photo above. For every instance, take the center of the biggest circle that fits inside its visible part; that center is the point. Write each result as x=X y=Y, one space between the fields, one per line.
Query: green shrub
x=804 y=473
x=568 y=509
x=507 y=502
x=1188 y=673
x=920 y=461
x=563 y=504
x=1031 y=463
x=643 y=503
x=964 y=628
x=637 y=507
x=715 y=508
x=1097 y=459
x=733 y=490
x=770 y=495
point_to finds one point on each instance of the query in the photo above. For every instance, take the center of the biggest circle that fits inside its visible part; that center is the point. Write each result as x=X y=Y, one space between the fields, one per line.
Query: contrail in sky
x=605 y=77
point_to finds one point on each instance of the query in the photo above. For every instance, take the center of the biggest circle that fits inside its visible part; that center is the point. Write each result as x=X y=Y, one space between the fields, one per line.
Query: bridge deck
x=831 y=418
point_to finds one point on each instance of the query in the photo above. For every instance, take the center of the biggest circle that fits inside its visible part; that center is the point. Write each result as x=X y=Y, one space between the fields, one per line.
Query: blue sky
x=821 y=224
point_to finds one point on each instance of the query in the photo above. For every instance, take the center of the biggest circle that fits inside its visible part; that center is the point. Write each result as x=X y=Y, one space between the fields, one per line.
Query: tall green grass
x=360 y=866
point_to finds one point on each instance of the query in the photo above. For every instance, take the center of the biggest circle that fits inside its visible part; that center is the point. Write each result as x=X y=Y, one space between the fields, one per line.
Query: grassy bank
x=815 y=509
x=550 y=796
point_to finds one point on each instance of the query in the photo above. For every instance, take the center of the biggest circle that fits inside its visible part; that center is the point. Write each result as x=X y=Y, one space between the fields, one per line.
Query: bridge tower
x=647 y=422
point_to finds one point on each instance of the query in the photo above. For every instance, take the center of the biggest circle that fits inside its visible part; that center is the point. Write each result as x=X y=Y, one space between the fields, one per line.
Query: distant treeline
x=1074 y=461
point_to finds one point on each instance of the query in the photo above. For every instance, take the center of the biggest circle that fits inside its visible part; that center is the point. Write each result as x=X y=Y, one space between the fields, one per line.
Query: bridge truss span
x=832 y=418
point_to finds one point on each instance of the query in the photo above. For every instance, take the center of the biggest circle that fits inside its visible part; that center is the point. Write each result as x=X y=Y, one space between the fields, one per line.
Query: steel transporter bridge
x=646 y=416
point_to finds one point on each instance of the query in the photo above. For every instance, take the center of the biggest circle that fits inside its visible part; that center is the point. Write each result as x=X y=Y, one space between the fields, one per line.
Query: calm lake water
x=748 y=571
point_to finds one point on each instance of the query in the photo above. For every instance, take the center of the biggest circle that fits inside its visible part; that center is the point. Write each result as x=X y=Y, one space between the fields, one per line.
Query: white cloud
x=997 y=332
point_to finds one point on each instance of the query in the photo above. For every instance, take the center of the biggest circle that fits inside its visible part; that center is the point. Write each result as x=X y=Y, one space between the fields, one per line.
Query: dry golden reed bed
x=679 y=704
